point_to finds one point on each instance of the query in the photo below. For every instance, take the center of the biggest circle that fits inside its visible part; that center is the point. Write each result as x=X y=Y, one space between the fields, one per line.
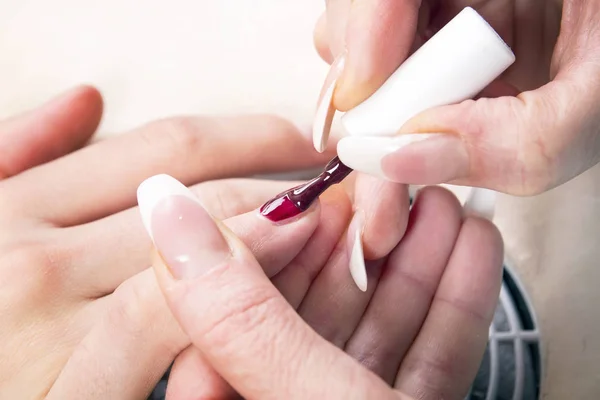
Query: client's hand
x=81 y=314
x=421 y=327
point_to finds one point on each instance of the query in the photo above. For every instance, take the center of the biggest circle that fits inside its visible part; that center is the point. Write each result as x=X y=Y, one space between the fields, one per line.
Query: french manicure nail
x=421 y=159
x=357 y=266
x=185 y=235
x=481 y=203
x=325 y=109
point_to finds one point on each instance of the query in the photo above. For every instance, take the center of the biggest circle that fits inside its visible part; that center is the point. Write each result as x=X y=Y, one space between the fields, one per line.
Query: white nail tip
x=323 y=119
x=358 y=269
x=481 y=202
x=153 y=190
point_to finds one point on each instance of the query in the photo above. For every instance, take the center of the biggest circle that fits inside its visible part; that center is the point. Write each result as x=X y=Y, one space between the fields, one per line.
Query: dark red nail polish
x=298 y=199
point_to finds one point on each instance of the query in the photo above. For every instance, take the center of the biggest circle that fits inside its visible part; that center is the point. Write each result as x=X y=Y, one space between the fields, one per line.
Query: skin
x=83 y=315
x=533 y=129
x=418 y=332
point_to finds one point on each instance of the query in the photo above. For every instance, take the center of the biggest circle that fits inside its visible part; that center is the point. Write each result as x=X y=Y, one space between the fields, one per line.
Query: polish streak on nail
x=298 y=199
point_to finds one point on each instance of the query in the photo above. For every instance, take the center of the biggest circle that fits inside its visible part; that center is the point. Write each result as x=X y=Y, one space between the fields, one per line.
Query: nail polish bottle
x=456 y=64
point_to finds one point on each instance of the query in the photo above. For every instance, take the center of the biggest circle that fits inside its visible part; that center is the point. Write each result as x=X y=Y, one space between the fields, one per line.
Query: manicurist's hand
x=534 y=129
x=419 y=331
x=80 y=311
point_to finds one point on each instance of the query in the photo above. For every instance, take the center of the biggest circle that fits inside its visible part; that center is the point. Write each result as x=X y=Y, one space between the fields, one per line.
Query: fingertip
x=476 y=226
x=320 y=39
x=385 y=205
x=86 y=104
x=56 y=128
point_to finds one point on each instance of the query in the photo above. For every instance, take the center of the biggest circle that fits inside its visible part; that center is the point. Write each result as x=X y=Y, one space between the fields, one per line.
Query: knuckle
x=177 y=138
x=34 y=270
x=240 y=319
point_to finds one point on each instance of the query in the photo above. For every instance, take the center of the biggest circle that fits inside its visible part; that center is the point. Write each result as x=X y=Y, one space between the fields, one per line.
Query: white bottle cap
x=454 y=65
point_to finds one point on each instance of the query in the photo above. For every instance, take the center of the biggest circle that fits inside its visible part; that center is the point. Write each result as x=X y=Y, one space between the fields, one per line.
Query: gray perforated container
x=511 y=368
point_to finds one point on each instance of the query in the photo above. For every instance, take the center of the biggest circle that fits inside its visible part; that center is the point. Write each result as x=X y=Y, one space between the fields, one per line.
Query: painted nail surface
x=481 y=203
x=408 y=158
x=357 y=266
x=325 y=109
x=298 y=199
x=184 y=233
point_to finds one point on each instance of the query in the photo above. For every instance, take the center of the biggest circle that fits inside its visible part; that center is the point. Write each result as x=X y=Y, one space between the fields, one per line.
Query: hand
x=537 y=127
x=421 y=328
x=82 y=316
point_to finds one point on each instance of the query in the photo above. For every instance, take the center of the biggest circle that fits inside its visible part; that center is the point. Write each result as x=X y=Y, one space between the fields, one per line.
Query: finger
x=378 y=37
x=321 y=40
x=296 y=278
x=292 y=282
x=243 y=326
x=337 y=15
x=192 y=377
x=409 y=280
x=99 y=272
x=444 y=365
x=90 y=184
x=50 y=131
x=384 y=206
x=520 y=145
x=129 y=348
x=334 y=304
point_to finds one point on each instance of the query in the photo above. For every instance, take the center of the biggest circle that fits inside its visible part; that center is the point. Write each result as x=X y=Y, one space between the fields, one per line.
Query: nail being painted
x=454 y=65
x=298 y=199
x=457 y=63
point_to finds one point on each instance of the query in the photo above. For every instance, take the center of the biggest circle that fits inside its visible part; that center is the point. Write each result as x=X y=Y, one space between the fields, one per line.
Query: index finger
x=379 y=35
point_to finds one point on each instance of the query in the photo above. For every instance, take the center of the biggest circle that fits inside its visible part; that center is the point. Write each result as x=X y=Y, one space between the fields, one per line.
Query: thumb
x=50 y=131
x=244 y=328
x=521 y=145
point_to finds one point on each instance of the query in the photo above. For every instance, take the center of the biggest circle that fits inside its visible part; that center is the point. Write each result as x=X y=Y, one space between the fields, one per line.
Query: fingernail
x=420 y=159
x=357 y=266
x=185 y=235
x=325 y=109
x=481 y=203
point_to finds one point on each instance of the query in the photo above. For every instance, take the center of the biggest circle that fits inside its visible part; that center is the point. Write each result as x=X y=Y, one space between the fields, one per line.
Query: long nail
x=185 y=235
x=325 y=109
x=481 y=203
x=421 y=159
x=357 y=266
